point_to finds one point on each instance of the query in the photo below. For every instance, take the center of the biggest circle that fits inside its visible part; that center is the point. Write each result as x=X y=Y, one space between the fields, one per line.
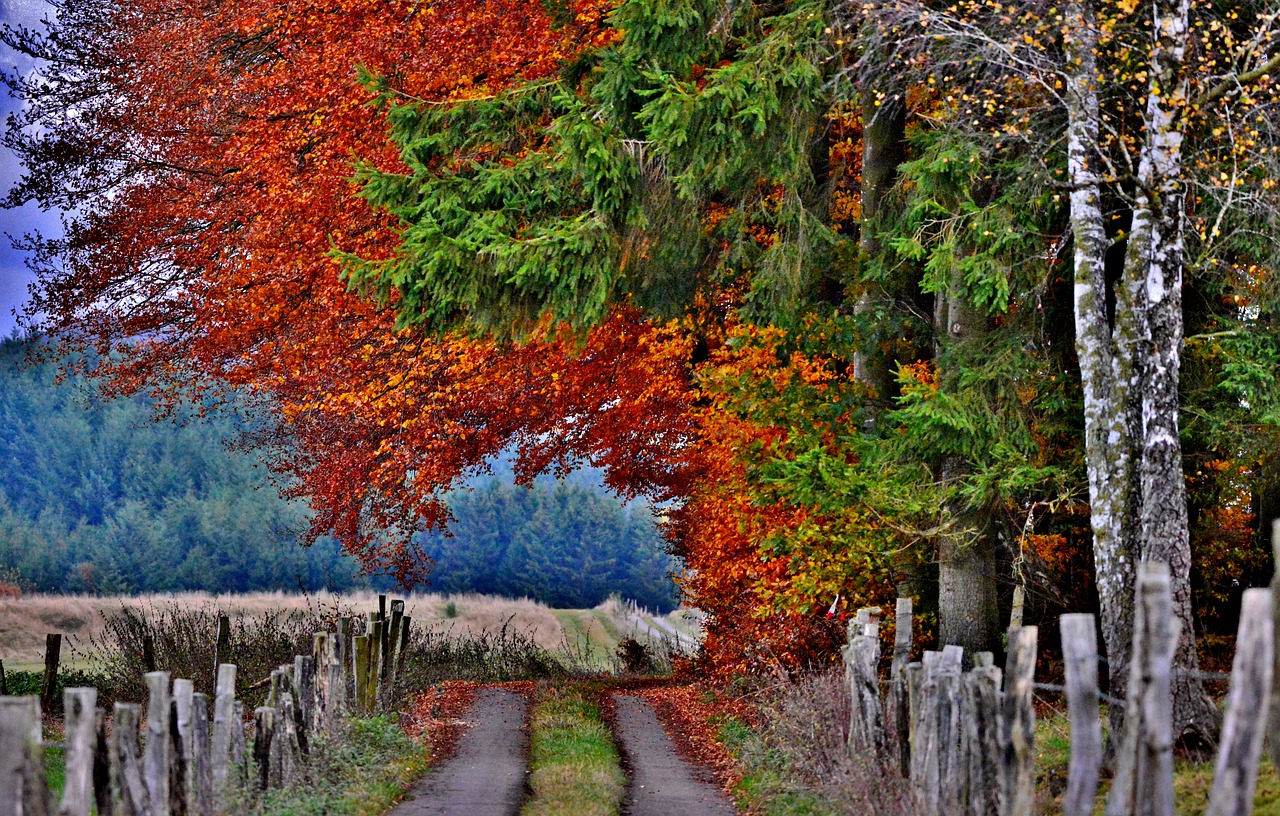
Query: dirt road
x=662 y=784
x=487 y=775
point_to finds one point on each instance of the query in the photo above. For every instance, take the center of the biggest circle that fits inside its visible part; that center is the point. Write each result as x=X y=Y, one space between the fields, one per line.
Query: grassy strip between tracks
x=573 y=761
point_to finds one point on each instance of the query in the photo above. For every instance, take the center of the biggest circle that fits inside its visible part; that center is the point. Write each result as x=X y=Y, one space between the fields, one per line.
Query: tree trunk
x=1129 y=369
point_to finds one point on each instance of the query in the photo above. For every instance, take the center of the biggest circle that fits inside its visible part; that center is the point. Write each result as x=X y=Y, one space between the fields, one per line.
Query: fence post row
x=195 y=747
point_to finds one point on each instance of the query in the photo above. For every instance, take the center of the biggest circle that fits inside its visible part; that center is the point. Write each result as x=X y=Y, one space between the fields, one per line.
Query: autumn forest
x=968 y=301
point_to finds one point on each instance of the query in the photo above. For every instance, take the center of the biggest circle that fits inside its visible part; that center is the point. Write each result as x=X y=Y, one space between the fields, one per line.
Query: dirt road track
x=487 y=775
x=662 y=783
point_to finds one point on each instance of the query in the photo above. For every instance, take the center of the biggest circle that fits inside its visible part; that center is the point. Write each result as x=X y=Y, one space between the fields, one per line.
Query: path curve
x=486 y=777
x=662 y=783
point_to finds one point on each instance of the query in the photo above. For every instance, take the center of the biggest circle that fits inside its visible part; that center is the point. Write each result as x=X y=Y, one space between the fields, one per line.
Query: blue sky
x=14 y=276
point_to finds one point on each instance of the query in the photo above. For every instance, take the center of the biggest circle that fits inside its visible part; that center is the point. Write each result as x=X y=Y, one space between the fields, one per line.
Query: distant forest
x=97 y=497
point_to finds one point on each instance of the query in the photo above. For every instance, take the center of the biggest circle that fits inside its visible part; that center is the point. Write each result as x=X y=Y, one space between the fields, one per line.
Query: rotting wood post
x=952 y=769
x=102 y=799
x=156 y=758
x=263 y=731
x=239 y=752
x=393 y=642
x=52 y=656
x=126 y=761
x=1273 y=718
x=224 y=720
x=22 y=758
x=342 y=653
x=336 y=687
x=377 y=635
x=1143 y=782
x=403 y=648
x=320 y=683
x=79 y=707
x=915 y=682
x=179 y=762
x=221 y=645
x=200 y=793
x=360 y=653
x=183 y=700
x=290 y=743
x=924 y=752
x=1080 y=659
x=148 y=653
x=304 y=688
x=862 y=659
x=1018 y=724
x=902 y=621
x=982 y=740
x=1235 y=773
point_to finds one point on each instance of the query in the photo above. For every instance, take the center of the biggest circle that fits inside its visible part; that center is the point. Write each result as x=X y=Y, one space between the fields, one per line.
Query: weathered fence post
x=183 y=700
x=862 y=660
x=304 y=689
x=239 y=751
x=320 y=683
x=1236 y=772
x=201 y=776
x=1080 y=659
x=1018 y=725
x=924 y=748
x=79 y=706
x=1273 y=719
x=377 y=635
x=4 y=682
x=898 y=678
x=1143 y=782
x=223 y=721
x=102 y=784
x=263 y=733
x=126 y=761
x=148 y=653
x=52 y=656
x=157 y=757
x=982 y=737
x=951 y=769
x=360 y=653
x=221 y=645
x=23 y=789
x=393 y=643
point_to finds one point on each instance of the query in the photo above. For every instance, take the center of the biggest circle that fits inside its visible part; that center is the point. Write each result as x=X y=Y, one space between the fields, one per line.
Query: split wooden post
x=52 y=656
x=360 y=654
x=924 y=749
x=304 y=689
x=102 y=785
x=183 y=699
x=320 y=687
x=25 y=790
x=393 y=643
x=1080 y=659
x=403 y=648
x=200 y=794
x=1273 y=719
x=263 y=733
x=1143 y=782
x=898 y=678
x=862 y=660
x=1236 y=772
x=158 y=755
x=79 y=707
x=343 y=654
x=952 y=769
x=239 y=751
x=224 y=720
x=982 y=737
x=1018 y=724
x=126 y=761
x=221 y=646
x=377 y=636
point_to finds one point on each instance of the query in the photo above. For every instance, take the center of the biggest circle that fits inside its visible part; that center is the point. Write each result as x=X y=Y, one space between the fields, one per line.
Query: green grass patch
x=362 y=772
x=573 y=762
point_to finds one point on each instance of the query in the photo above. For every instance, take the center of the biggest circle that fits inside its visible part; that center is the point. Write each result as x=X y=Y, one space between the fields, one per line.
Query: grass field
x=25 y=621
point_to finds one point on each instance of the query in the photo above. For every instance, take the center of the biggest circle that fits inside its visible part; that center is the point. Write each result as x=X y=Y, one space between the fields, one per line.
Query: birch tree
x=1078 y=69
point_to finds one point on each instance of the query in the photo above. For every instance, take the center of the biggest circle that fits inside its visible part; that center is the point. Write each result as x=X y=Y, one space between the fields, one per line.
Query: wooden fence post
x=1018 y=724
x=4 y=682
x=239 y=750
x=24 y=790
x=393 y=642
x=156 y=758
x=862 y=661
x=377 y=635
x=201 y=776
x=1080 y=659
x=148 y=653
x=52 y=656
x=320 y=684
x=405 y=623
x=924 y=749
x=952 y=771
x=79 y=707
x=221 y=646
x=1236 y=772
x=1143 y=783
x=360 y=654
x=1273 y=718
x=304 y=689
x=982 y=737
x=263 y=732
x=902 y=620
x=126 y=761
x=183 y=700
x=223 y=722
x=102 y=785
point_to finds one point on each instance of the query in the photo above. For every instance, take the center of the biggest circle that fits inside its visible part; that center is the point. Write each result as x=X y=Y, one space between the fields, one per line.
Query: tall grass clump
x=798 y=762
x=183 y=644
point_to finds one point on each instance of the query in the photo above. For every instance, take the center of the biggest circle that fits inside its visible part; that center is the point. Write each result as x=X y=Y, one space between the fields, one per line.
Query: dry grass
x=80 y=619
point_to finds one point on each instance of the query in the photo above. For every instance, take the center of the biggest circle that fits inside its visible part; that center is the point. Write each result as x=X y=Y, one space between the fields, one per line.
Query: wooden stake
x=1080 y=659
x=79 y=707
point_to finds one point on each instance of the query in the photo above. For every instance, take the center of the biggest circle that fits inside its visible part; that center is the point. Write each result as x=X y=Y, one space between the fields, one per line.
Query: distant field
x=24 y=622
